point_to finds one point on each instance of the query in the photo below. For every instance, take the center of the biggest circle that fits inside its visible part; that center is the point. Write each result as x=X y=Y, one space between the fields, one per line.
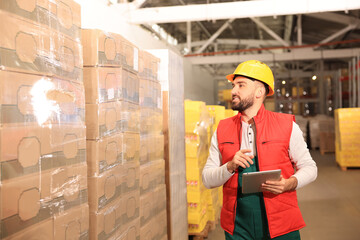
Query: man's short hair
x=267 y=90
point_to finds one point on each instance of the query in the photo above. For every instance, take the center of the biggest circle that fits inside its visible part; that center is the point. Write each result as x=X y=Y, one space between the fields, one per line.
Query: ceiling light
x=283 y=82
x=314 y=77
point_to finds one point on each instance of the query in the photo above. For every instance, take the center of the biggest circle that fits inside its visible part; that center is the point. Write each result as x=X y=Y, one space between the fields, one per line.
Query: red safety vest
x=273 y=131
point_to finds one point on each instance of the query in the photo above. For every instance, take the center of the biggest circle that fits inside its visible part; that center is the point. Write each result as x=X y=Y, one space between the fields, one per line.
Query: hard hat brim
x=230 y=77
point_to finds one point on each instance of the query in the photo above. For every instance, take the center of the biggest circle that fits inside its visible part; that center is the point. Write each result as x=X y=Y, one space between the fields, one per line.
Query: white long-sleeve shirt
x=214 y=174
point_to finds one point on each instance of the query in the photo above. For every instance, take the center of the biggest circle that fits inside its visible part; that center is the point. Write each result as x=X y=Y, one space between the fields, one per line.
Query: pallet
x=203 y=234
x=345 y=168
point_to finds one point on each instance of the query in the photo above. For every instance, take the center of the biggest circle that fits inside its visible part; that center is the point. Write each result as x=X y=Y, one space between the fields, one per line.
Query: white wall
x=199 y=85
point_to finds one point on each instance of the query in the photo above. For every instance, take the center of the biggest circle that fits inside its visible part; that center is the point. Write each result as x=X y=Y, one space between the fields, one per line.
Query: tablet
x=251 y=182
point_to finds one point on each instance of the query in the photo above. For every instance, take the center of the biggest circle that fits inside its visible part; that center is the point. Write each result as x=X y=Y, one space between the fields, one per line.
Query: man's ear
x=260 y=91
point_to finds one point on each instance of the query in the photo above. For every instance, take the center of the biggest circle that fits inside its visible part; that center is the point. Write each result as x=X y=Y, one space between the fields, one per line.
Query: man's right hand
x=240 y=160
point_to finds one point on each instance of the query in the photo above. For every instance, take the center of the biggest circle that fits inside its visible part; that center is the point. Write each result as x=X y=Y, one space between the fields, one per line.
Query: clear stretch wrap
x=44 y=191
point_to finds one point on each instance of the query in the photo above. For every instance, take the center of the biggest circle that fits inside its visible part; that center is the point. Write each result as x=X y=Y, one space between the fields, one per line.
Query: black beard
x=243 y=104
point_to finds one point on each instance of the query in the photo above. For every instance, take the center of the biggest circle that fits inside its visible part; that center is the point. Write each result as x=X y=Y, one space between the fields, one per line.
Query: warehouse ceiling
x=278 y=34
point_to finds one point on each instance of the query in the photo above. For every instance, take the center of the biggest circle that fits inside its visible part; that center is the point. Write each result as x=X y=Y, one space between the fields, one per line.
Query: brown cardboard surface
x=104 y=154
x=102 y=84
x=105 y=188
x=102 y=48
x=43 y=230
x=68 y=57
x=131 y=147
x=35 y=98
x=148 y=65
x=24 y=46
x=130 y=117
x=22 y=148
x=146 y=208
x=130 y=231
x=131 y=177
x=130 y=204
x=24 y=202
x=160 y=198
x=72 y=224
x=102 y=119
x=131 y=56
x=159 y=172
x=147 y=178
x=68 y=187
x=158 y=152
x=105 y=223
x=145 y=147
x=130 y=86
x=64 y=15
x=148 y=231
x=161 y=223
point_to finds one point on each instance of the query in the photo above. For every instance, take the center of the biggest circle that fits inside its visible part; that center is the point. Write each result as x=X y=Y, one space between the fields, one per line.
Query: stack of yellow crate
x=197 y=145
x=347 y=137
x=216 y=113
x=230 y=113
x=153 y=220
x=113 y=134
x=43 y=165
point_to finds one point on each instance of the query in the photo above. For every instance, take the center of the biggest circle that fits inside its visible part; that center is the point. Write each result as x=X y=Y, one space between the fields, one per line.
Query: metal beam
x=198 y=23
x=339 y=33
x=227 y=10
x=299 y=30
x=288 y=27
x=138 y=3
x=215 y=35
x=335 y=17
x=229 y=41
x=270 y=32
x=295 y=55
x=188 y=36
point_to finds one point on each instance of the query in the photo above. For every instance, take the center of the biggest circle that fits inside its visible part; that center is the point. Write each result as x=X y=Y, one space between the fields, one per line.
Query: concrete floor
x=330 y=205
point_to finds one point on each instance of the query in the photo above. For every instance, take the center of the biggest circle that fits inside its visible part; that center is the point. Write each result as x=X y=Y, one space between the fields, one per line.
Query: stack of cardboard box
x=153 y=222
x=197 y=126
x=113 y=139
x=42 y=131
x=347 y=137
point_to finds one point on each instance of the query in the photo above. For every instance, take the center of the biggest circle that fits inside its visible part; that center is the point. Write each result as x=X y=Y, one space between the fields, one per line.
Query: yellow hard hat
x=256 y=70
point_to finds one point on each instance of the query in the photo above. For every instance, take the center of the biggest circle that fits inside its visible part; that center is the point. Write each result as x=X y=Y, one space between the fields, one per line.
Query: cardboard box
x=104 y=154
x=129 y=231
x=130 y=204
x=24 y=202
x=148 y=65
x=35 y=98
x=102 y=48
x=130 y=117
x=130 y=87
x=148 y=231
x=145 y=148
x=131 y=56
x=105 y=223
x=146 y=125
x=159 y=171
x=147 y=178
x=64 y=15
x=131 y=147
x=159 y=146
x=105 y=188
x=68 y=18
x=72 y=224
x=31 y=148
x=161 y=223
x=24 y=45
x=160 y=198
x=68 y=187
x=40 y=230
x=103 y=119
x=131 y=177
x=102 y=84
x=67 y=56
x=146 y=208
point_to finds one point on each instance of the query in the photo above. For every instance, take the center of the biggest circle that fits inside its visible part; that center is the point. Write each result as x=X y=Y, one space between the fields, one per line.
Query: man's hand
x=283 y=185
x=240 y=159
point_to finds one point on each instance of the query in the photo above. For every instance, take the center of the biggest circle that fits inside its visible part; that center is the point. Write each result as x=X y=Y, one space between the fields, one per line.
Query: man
x=258 y=140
